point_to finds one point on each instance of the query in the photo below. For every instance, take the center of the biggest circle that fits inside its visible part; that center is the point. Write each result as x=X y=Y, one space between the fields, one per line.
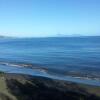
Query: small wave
x=23 y=65
x=87 y=78
x=45 y=70
x=84 y=76
x=15 y=64
x=74 y=74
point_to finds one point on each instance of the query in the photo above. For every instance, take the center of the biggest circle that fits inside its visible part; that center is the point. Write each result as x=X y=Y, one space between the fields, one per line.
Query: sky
x=41 y=18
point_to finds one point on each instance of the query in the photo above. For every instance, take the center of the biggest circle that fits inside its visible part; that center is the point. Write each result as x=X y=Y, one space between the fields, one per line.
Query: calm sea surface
x=77 y=57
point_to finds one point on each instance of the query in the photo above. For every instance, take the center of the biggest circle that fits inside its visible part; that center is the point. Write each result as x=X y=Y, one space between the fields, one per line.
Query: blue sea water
x=77 y=57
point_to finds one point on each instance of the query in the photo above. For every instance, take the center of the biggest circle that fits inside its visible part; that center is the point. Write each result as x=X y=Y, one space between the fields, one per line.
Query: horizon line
x=5 y=36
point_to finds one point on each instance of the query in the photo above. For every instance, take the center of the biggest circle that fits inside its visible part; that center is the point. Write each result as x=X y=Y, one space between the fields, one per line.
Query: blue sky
x=49 y=17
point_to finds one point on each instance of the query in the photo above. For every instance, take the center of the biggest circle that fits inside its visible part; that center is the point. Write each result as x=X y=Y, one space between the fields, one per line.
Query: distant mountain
x=68 y=35
x=1 y=36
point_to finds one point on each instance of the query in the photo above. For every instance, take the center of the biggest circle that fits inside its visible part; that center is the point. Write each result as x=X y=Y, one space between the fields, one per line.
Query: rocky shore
x=25 y=87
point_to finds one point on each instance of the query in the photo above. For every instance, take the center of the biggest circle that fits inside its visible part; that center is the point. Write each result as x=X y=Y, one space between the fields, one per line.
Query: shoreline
x=28 y=87
x=37 y=72
x=73 y=74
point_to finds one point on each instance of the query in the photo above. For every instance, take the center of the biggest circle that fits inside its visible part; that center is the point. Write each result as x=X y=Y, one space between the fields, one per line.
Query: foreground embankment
x=25 y=87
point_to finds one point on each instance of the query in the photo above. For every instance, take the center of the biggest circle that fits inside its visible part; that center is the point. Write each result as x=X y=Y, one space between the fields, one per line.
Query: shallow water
x=36 y=72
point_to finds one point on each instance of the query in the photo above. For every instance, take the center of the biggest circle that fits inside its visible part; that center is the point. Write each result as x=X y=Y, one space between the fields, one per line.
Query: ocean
x=67 y=58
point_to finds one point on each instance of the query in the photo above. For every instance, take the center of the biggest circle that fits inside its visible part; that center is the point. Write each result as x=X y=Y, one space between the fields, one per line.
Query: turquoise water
x=76 y=57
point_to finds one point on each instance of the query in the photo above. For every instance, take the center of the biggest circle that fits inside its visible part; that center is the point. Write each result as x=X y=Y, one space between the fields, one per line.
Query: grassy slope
x=4 y=92
x=23 y=87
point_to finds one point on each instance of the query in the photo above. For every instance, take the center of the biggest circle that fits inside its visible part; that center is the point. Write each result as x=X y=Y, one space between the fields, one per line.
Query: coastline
x=40 y=72
x=27 y=87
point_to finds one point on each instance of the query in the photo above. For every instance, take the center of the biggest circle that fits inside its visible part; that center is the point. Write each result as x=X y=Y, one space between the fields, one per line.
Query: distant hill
x=2 y=37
